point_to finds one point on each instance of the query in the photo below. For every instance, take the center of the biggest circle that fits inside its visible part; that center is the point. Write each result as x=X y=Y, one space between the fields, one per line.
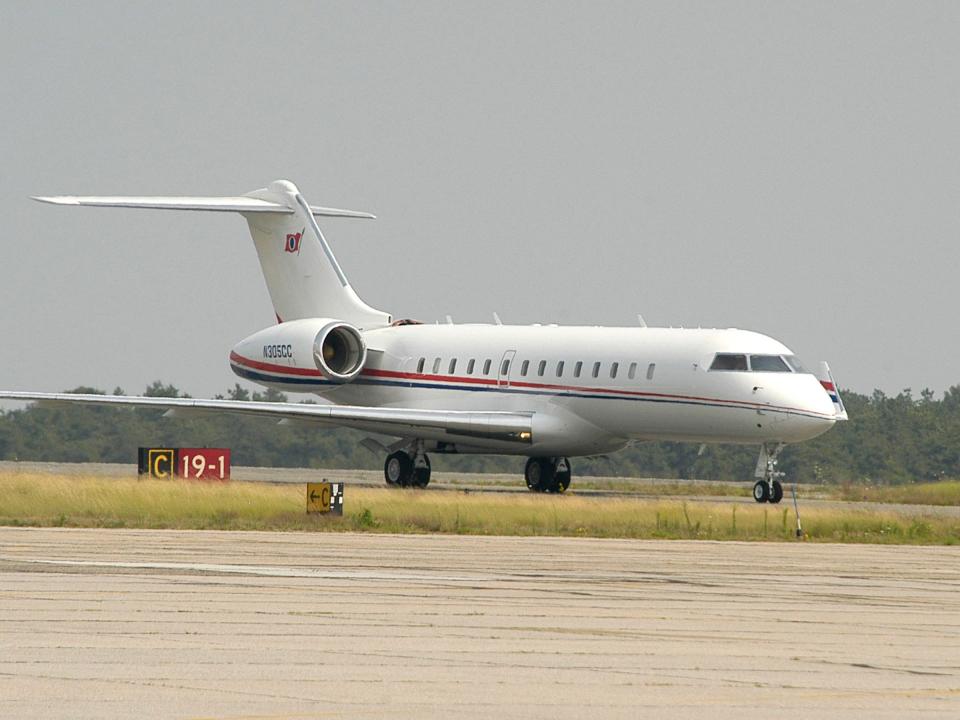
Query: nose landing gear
x=768 y=489
x=548 y=475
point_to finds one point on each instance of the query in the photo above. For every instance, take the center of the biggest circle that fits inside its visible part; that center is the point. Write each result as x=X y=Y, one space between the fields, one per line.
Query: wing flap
x=404 y=422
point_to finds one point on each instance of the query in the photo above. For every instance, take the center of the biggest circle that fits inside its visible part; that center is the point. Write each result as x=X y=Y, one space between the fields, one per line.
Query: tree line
x=888 y=440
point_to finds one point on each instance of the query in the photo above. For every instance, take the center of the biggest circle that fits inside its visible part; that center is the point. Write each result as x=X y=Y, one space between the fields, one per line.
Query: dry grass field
x=61 y=500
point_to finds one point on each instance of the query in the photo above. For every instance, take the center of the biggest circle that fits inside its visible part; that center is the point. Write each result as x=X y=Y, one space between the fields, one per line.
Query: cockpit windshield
x=725 y=361
x=794 y=362
x=768 y=363
x=758 y=363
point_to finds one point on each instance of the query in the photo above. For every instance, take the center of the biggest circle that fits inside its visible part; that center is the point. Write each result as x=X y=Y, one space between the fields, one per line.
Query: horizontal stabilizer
x=240 y=204
x=302 y=275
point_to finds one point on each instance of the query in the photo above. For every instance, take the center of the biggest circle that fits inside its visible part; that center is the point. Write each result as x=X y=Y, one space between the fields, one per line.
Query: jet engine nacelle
x=333 y=347
x=339 y=351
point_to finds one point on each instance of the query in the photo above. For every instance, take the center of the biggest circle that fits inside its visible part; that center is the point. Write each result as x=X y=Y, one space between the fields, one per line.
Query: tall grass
x=943 y=492
x=48 y=500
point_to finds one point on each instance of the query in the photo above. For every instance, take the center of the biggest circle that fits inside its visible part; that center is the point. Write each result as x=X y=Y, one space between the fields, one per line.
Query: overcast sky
x=787 y=168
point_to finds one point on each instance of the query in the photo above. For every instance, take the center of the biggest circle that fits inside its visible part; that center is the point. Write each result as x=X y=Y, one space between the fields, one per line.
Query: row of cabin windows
x=541 y=368
x=452 y=368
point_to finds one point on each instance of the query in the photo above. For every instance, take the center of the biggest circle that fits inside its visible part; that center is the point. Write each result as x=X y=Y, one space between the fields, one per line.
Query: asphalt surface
x=187 y=624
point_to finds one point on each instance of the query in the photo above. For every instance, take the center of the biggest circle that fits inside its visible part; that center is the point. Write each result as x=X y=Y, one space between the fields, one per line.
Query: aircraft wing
x=439 y=425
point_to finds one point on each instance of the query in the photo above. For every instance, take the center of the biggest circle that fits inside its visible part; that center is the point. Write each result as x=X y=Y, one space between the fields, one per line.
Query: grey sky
x=792 y=169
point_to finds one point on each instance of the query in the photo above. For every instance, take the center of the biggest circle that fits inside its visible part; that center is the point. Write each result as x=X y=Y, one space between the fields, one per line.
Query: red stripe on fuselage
x=271 y=367
x=492 y=382
x=569 y=388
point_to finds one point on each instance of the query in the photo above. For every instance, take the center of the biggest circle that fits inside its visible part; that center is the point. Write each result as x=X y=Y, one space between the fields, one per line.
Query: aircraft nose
x=806 y=427
x=818 y=413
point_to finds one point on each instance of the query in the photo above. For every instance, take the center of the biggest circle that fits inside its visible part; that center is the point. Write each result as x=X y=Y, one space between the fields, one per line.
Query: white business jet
x=545 y=392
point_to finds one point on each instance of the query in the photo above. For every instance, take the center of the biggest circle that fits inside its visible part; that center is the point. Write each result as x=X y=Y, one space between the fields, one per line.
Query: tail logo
x=292 y=244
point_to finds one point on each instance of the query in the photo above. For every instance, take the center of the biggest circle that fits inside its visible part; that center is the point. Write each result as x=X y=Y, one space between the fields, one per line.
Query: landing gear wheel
x=777 y=495
x=421 y=475
x=561 y=478
x=547 y=475
x=539 y=474
x=398 y=469
x=761 y=491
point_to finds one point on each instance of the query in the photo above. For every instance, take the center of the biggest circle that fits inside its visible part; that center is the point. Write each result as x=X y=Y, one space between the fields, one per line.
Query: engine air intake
x=339 y=352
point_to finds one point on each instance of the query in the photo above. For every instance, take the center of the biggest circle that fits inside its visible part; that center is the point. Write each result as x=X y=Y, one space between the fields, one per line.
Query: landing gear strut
x=768 y=489
x=408 y=468
x=548 y=475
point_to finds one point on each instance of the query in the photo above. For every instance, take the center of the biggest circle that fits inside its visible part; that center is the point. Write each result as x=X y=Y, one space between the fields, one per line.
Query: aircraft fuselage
x=593 y=389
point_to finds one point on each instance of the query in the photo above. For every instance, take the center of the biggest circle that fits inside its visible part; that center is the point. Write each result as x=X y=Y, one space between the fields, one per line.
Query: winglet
x=826 y=380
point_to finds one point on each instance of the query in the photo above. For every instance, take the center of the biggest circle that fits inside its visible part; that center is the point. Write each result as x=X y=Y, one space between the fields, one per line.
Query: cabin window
x=453 y=366
x=768 y=363
x=420 y=365
x=486 y=366
x=596 y=369
x=505 y=368
x=541 y=368
x=560 y=369
x=524 y=366
x=470 y=365
x=578 y=368
x=614 y=367
x=436 y=366
x=650 y=369
x=632 y=371
x=725 y=361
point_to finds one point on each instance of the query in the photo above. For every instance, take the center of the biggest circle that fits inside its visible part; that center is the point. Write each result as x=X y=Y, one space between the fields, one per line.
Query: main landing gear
x=548 y=475
x=768 y=488
x=408 y=468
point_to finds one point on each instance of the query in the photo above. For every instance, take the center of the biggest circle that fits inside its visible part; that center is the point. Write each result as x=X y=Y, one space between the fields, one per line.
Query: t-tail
x=303 y=277
x=826 y=379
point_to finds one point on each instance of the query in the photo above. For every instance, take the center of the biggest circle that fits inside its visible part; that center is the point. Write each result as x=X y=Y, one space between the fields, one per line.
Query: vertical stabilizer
x=301 y=272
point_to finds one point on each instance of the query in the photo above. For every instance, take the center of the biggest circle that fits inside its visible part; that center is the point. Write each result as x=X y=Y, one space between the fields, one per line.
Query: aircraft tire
x=398 y=469
x=777 y=492
x=421 y=476
x=561 y=478
x=539 y=474
x=761 y=491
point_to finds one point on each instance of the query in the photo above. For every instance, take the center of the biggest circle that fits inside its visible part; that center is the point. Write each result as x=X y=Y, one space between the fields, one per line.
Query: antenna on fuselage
x=449 y=320
x=496 y=319
x=640 y=321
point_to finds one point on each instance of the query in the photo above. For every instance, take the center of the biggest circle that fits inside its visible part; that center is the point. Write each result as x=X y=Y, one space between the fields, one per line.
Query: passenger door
x=505 y=368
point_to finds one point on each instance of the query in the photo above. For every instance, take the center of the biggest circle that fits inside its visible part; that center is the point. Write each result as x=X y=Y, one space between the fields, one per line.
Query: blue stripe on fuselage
x=299 y=383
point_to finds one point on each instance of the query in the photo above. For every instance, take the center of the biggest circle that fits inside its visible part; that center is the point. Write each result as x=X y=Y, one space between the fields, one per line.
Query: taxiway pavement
x=178 y=624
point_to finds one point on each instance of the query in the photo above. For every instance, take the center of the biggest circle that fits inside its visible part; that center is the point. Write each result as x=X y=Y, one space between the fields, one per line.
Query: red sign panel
x=204 y=463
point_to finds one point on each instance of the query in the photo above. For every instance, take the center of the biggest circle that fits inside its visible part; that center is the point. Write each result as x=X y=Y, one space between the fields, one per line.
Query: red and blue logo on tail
x=292 y=244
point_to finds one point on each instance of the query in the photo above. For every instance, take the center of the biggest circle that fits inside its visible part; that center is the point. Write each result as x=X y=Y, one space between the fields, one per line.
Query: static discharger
x=325 y=498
